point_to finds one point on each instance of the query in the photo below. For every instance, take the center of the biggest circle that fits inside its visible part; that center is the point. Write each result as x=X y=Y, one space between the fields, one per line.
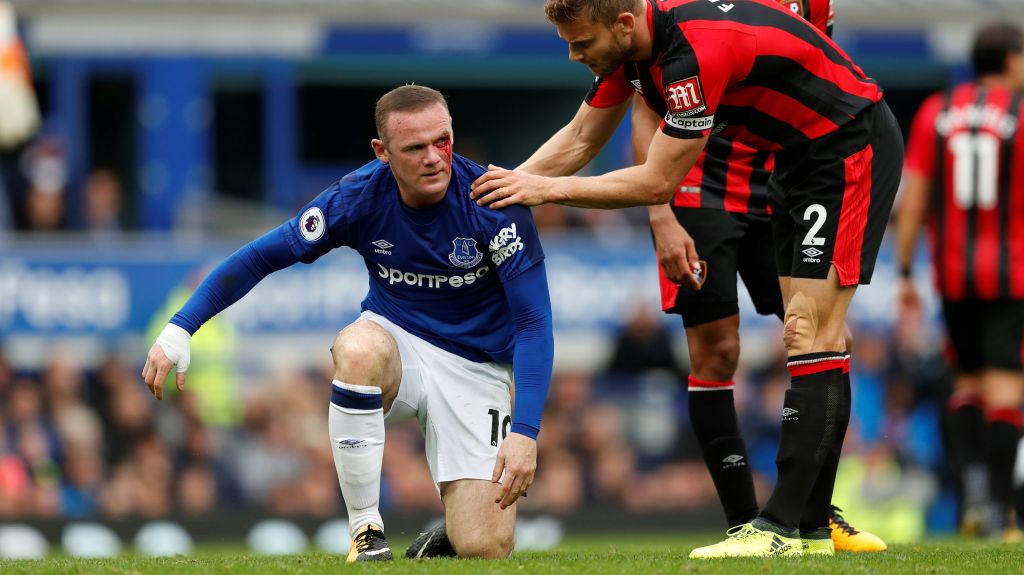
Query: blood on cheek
x=446 y=148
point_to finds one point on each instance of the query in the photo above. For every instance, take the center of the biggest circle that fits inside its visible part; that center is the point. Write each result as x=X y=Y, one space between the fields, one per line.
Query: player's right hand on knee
x=170 y=349
x=514 y=468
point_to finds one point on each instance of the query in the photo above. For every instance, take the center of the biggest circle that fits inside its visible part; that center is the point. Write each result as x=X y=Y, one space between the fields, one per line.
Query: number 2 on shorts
x=811 y=239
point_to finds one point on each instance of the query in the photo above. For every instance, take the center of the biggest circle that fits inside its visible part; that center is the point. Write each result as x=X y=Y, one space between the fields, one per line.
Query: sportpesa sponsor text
x=397 y=276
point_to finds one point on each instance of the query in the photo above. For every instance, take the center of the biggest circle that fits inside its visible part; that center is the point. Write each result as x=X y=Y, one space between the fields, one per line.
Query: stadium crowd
x=79 y=443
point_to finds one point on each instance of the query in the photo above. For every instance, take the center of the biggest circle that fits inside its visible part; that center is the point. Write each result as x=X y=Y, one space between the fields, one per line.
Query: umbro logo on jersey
x=637 y=86
x=383 y=247
x=789 y=414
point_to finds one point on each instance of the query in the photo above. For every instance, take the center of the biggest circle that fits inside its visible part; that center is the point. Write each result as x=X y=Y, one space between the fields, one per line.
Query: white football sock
x=356 y=424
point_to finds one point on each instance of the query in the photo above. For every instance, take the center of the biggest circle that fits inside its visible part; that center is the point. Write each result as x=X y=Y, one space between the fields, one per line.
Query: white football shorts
x=464 y=408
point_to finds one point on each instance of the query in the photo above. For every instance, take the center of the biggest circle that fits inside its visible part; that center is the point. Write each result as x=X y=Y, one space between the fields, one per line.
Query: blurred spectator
x=644 y=344
x=103 y=204
x=197 y=490
x=44 y=164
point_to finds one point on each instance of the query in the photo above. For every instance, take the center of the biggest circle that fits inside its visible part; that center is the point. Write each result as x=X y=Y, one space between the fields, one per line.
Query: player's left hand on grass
x=170 y=349
x=517 y=457
x=498 y=188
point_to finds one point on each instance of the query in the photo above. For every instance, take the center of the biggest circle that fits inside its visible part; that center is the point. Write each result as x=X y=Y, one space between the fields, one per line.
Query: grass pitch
x=585 y=555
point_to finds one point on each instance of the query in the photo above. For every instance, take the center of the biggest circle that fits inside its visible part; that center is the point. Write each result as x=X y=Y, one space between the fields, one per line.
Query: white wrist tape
x=175 y=342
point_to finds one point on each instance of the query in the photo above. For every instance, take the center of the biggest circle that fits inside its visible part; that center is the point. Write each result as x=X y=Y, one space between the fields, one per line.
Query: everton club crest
x=465 y=254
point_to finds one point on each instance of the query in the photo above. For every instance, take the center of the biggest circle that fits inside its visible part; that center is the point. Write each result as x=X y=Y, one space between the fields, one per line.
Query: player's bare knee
x=366 y=354
x=801 y=324
x=725 y=355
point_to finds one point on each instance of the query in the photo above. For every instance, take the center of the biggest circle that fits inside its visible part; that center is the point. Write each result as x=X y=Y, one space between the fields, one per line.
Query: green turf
x=584 y=555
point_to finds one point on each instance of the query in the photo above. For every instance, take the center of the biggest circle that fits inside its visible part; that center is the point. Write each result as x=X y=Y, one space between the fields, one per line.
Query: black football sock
x=966 y=426
x=1002 y=437
x=810 y=419
x=713 y=413
x=819 y=504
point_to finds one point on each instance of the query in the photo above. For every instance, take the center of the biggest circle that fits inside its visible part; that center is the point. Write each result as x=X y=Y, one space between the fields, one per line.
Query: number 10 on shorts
x=504 y=423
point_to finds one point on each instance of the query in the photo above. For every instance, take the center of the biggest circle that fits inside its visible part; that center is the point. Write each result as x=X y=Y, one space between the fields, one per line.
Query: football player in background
x=755 y=73
x=458 y=304
x=720 y=212
x=965 y=172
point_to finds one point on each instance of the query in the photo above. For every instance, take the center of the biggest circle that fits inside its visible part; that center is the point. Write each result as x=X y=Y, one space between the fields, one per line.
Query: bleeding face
x=418 y=146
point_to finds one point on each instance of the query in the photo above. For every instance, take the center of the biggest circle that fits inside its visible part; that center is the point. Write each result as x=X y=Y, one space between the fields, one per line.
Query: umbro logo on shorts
x=788 y=414
x=812 y=252
x=734 y=460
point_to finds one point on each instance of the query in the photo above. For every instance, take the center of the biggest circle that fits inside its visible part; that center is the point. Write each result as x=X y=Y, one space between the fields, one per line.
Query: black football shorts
x=984 y=334
x=728 y=244
x=831 y=198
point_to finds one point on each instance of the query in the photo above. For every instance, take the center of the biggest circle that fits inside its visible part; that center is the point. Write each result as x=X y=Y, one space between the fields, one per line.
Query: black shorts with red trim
x=984 y=334
x=831 y=198
x=728 y=244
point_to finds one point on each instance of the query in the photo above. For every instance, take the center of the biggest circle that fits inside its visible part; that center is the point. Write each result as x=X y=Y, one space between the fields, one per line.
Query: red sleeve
x=610 y=90
x=822 y=14
x=692 y=95
x=921 y=149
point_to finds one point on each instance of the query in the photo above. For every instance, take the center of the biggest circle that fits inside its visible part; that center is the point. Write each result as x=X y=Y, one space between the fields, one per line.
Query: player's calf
x=801 y=324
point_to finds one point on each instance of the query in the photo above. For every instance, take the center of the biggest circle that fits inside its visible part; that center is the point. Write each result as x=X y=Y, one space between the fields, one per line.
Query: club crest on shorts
x=465 y=254
x=701 y=274
x=311 y=224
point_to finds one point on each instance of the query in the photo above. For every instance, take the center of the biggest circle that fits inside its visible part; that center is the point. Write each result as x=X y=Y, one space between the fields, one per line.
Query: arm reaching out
x=577 y=143
x=668 y=161
x=225 y=285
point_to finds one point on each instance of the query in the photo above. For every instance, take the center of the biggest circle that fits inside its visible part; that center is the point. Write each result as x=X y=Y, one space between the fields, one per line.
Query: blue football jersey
x=437 y=272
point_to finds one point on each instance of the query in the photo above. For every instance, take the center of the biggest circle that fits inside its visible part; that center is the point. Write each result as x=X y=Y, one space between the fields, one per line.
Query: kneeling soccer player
x=457 y=304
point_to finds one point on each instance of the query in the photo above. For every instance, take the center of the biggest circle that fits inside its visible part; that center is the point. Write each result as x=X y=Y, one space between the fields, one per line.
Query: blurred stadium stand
x=176 y=130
